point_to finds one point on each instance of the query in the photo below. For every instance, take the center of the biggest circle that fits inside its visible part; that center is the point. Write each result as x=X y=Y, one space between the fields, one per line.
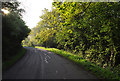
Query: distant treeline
x=92 y=29
x=14 y=29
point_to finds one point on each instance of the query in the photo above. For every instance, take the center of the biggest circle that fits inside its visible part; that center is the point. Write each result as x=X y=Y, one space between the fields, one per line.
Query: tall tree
x=14 y=29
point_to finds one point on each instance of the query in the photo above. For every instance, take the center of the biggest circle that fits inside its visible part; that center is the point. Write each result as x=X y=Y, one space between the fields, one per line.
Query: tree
x=90 y=26
x=81 y=27
x=14 y=30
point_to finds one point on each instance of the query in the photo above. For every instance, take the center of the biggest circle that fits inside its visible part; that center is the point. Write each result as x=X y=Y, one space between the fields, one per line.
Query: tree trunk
x=117 y=59
x=112 y=58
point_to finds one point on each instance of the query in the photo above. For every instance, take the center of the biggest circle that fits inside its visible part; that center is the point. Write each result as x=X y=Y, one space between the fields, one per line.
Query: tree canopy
x=91 y=29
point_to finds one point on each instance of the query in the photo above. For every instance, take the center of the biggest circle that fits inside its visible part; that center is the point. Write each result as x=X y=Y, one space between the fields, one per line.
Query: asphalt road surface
x=42 y=64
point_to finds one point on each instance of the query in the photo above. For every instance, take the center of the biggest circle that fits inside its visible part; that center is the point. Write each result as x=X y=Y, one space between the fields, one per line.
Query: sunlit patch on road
x=48 y=56
x=56 y=71
x=46 y=60
x=50 y=52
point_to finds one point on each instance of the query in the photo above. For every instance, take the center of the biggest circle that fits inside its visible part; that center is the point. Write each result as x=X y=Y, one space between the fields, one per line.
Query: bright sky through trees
x=33 y=10
x=5 y=11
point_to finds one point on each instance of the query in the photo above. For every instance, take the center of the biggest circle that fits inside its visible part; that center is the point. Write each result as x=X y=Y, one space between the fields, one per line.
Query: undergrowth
x=8 y=63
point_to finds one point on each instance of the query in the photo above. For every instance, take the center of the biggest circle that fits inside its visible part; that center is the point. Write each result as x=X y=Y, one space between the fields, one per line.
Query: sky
x=33 y=10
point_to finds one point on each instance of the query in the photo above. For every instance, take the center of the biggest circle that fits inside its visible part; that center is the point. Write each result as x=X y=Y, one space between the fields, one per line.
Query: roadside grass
x=13 y=60
x=24 y=45
x=100 y=72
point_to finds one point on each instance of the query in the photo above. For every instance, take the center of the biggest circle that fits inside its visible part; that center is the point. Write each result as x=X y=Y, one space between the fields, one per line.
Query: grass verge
x=95 y=69
x=13 y=60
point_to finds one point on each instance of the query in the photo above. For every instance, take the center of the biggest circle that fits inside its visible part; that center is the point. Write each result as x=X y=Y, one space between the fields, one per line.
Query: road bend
x=41 y=64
